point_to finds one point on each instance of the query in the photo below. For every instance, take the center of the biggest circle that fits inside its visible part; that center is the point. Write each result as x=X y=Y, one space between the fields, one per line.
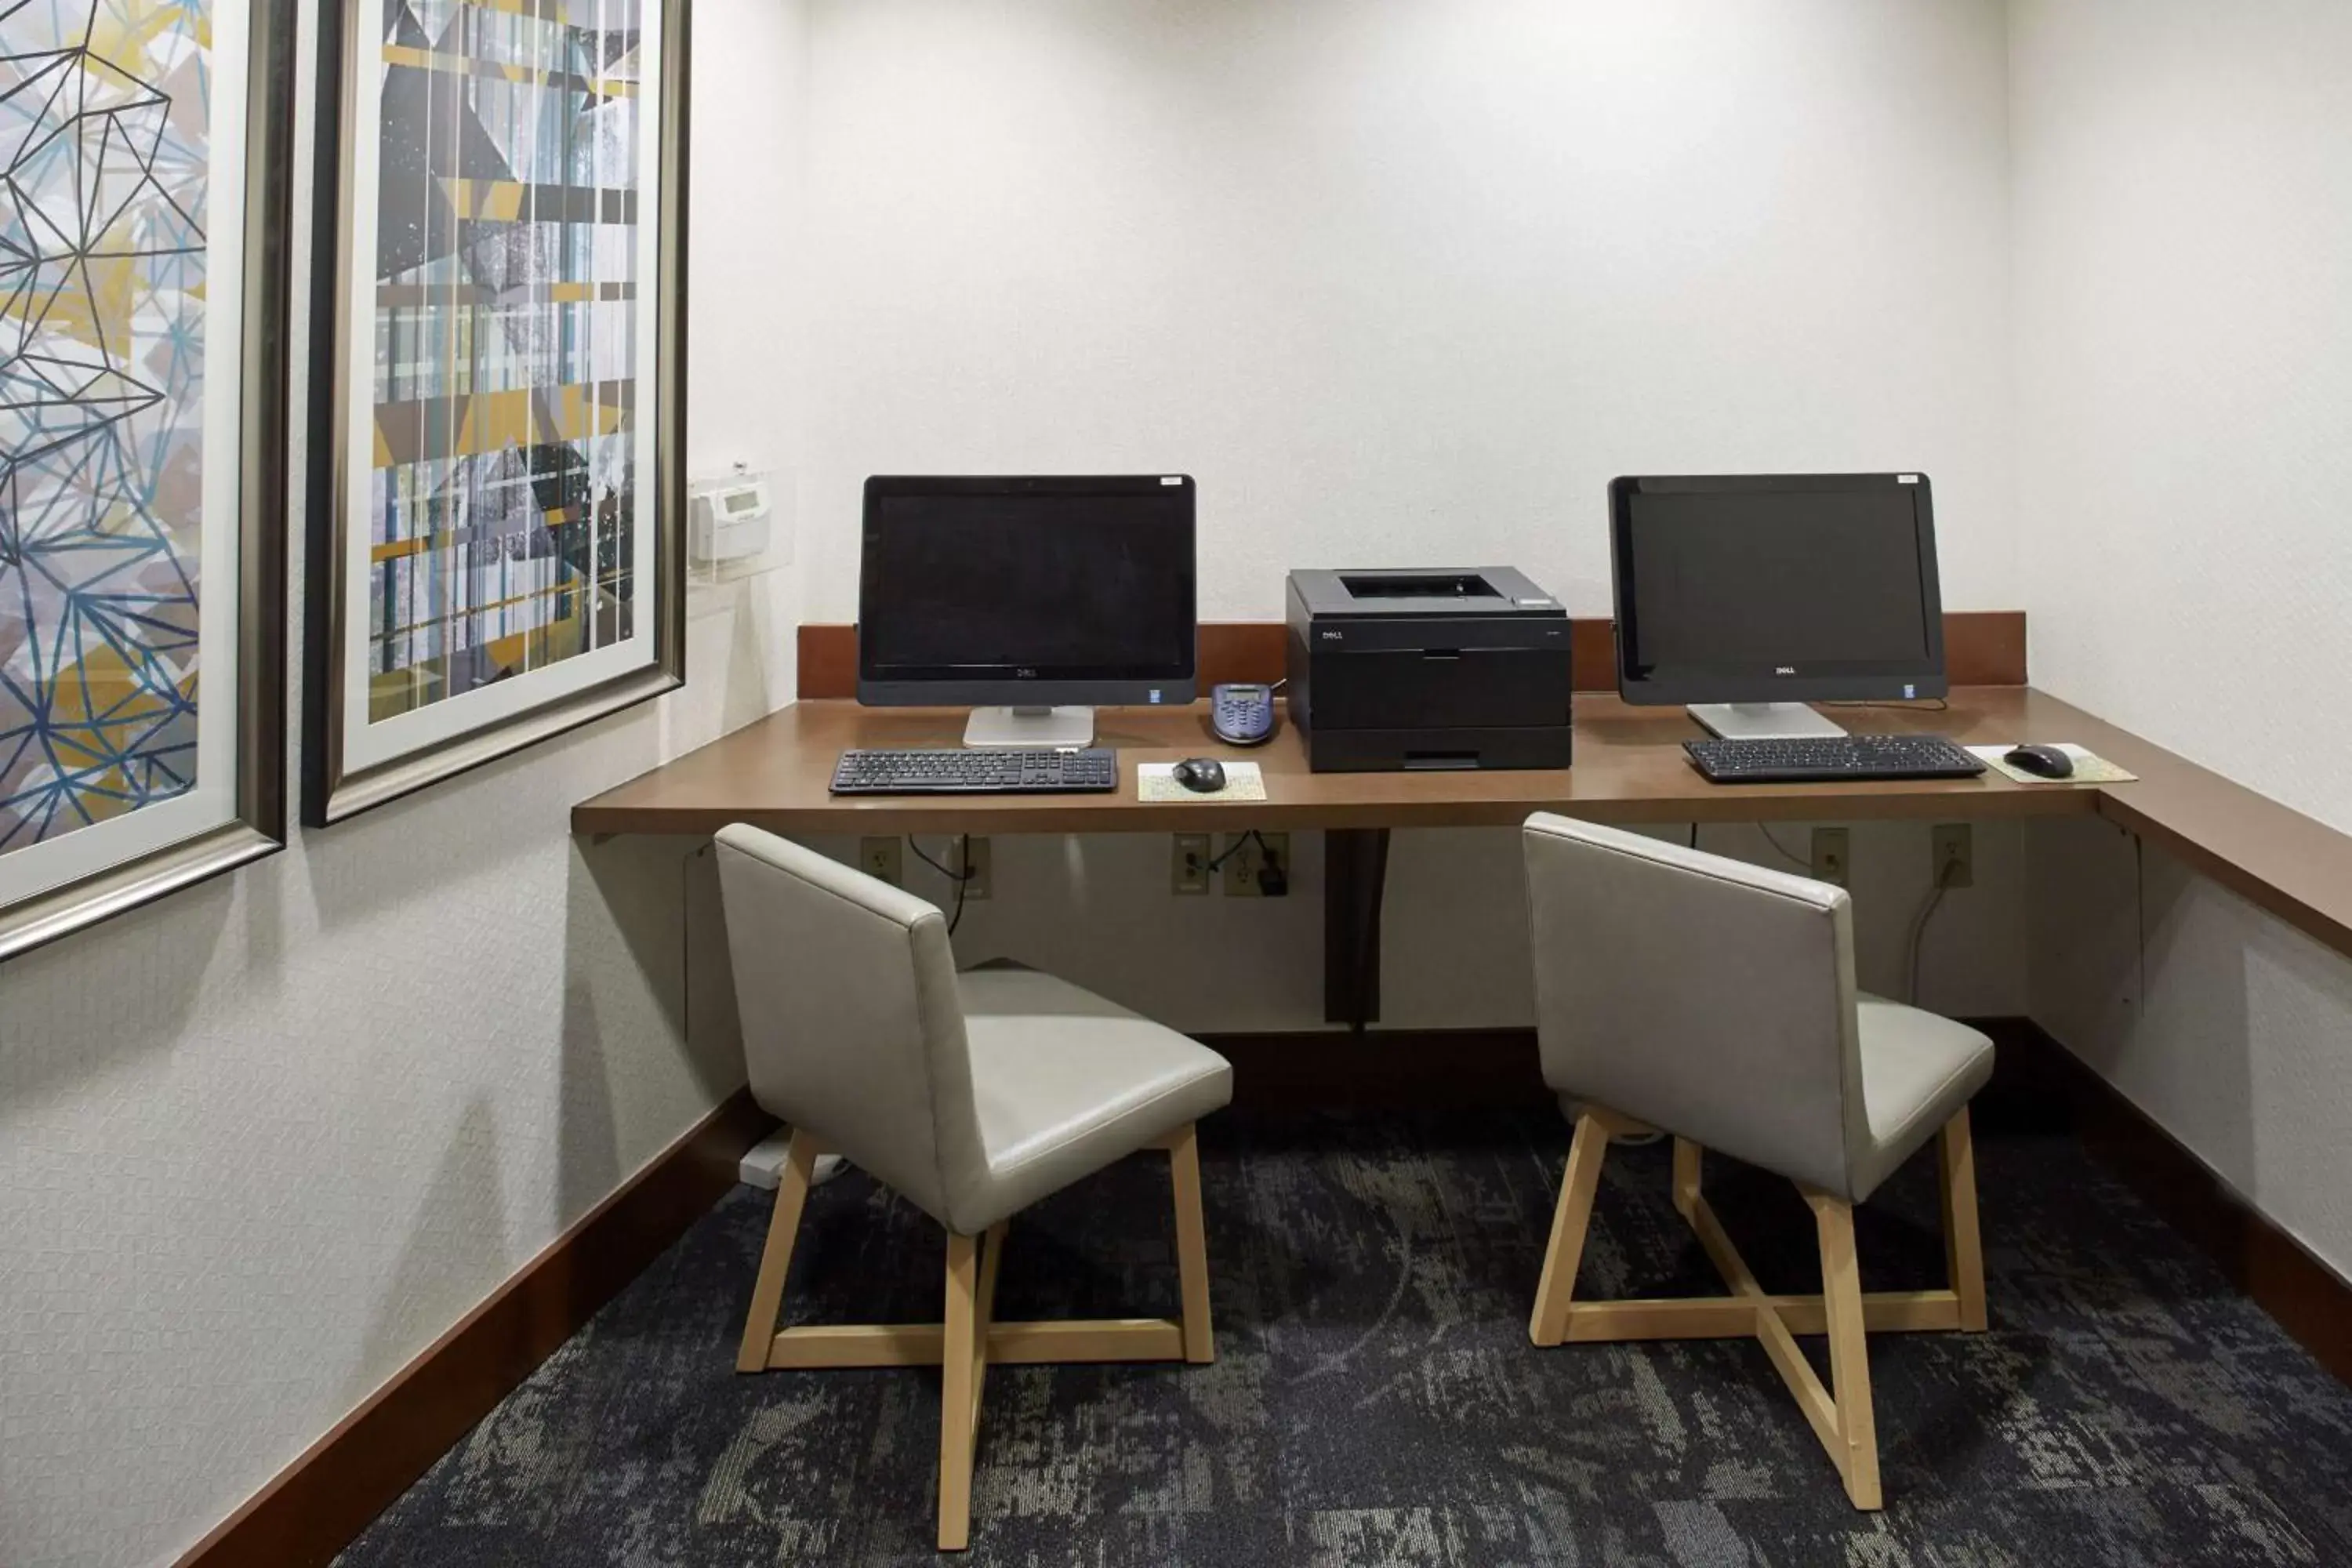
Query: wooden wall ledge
x=1981 y=647
x=2292 y=866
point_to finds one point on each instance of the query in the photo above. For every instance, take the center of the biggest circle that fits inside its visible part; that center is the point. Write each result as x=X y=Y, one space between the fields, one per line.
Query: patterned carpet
x=1375 y=1399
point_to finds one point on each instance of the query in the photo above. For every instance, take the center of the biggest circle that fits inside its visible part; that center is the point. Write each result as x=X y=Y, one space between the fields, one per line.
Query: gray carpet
x=1375 y=1399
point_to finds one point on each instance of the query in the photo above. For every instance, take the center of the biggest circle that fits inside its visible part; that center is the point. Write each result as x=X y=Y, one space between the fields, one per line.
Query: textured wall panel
x=261 y=1142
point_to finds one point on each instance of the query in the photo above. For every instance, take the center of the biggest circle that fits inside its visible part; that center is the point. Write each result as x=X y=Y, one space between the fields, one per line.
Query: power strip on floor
x=763 y=1164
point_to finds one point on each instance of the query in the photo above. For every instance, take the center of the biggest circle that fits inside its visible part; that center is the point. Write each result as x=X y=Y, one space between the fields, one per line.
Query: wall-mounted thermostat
x=728 y=520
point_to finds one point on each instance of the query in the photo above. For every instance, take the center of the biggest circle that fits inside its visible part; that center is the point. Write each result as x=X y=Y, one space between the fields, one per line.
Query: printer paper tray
x=1416 y=750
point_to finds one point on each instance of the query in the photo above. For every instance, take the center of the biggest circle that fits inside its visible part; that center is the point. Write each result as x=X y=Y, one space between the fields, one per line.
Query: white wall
x=2183 y=211
x=1408 y=283
x=2183 y=208
x=261 y=1142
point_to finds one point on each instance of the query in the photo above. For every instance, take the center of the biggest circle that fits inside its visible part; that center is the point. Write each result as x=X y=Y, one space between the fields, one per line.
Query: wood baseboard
x=1383 y=1069
x=316 y=1506
x=1493 y=1070
x=2307 y=1298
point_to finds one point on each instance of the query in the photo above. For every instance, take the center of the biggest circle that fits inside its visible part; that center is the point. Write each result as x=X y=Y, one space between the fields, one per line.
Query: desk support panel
x=1355 y=876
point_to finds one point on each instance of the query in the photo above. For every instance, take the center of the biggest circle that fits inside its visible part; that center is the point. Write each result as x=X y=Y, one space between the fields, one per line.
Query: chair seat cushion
x=1065 y=1082
x=1917 y=1070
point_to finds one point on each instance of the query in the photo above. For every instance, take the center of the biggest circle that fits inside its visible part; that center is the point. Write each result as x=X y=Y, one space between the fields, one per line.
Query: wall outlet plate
x=972 y=861
x=1831 y=852
x=880 y=857
x=1187 y=864
x=1256 y=867
x=1954 y=863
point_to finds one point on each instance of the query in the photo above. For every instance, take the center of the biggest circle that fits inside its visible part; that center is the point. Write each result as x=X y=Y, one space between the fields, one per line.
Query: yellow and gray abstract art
x=503 y=491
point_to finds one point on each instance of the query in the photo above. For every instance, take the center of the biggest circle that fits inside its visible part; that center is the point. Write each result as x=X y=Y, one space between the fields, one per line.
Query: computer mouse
x=2047 y=761
x=1201 y=775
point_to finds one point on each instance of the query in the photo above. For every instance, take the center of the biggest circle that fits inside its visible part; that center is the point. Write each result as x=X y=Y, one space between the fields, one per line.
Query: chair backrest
x=852 y=1027
x=1707 y=997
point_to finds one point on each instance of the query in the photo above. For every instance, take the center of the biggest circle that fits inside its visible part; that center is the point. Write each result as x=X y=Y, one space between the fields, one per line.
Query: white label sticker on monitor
x=1171 y=478
x=1906 y=479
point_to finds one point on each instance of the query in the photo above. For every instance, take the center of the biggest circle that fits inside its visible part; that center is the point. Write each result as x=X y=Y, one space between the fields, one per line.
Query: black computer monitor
x=1033 y=597
x=1747 y=596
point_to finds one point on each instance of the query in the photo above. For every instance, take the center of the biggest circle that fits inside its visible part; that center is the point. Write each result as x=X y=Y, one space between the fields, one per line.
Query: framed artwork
x=502 y=553
x=144 y=190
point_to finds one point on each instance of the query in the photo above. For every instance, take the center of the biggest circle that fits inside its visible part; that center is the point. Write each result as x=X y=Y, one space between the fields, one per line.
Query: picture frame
x=143 y=291
x=496 y=551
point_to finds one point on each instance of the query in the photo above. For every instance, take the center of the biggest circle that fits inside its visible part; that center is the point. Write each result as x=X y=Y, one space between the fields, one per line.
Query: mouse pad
x=1156 y=781
x=2089 y=767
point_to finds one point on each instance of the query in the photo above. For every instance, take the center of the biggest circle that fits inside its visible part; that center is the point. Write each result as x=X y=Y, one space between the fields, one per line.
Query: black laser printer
x=1396 y=669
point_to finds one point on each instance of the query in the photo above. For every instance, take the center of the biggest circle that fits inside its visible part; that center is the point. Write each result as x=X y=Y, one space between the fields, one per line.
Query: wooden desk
x=1629 y=769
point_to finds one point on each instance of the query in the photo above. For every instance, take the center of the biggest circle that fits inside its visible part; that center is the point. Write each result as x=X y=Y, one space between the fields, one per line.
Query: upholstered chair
x=1715 y=1001
x=972 y=1095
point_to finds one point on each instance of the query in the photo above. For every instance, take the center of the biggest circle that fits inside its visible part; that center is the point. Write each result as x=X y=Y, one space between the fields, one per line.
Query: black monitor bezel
x=1016 y=685
x=1872 y=680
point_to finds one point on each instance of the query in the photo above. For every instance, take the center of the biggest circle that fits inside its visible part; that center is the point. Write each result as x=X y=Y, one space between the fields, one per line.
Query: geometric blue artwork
x=103 y=158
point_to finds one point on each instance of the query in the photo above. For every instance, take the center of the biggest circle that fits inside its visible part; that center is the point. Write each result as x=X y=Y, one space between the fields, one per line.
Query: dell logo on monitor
x=1024 y=675
x=1784 y=669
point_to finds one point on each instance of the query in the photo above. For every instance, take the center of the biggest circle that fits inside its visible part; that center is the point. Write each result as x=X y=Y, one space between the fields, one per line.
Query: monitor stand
x=1763 y=721
x=1030 y=728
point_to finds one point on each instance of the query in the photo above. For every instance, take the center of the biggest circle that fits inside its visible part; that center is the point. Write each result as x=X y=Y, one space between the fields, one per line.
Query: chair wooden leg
x=984 y=1315
x=1569 y=1221
x=1963 y=1245
x=1686 y=1177
x=1856 y=1451
x=961 y=1348
x=1191 y=1245
x=969 y=1337
x=776 y=1257
x=1841 y=1413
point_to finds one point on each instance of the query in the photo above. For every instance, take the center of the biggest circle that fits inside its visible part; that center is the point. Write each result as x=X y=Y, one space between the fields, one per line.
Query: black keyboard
x=1831 y=757
x=975 y=771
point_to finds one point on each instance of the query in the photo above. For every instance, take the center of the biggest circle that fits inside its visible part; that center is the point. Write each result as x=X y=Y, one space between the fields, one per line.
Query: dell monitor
x=1747 y=597
x=1032 y=598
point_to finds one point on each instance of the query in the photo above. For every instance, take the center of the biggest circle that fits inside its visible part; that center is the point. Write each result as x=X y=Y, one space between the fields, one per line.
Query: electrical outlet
x=1188 y=869
x=1953 y=864
x=880 y=858
x=1830 y=851
x=973 y=862
x=1257 y=866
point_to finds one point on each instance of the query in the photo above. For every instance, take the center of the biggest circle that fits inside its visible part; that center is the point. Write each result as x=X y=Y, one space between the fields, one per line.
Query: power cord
x=1793 y=858
x=964 y=859
x=1799 y=861
x=1927 y=907
x=1272 y=880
